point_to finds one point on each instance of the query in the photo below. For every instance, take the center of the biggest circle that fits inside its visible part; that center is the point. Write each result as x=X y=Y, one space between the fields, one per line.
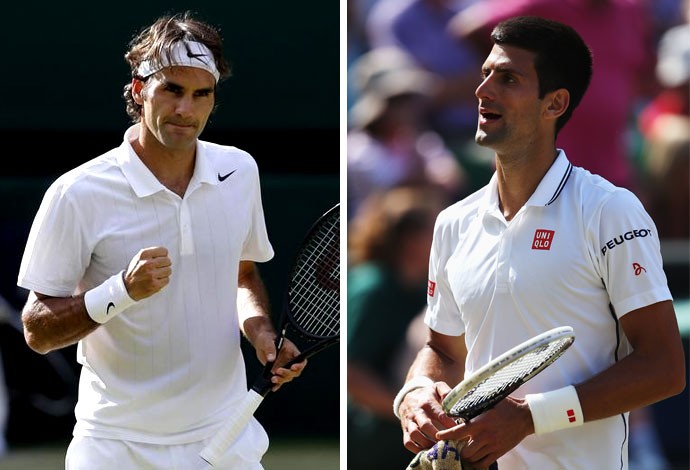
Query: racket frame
x=318 y=343
x=492 y=367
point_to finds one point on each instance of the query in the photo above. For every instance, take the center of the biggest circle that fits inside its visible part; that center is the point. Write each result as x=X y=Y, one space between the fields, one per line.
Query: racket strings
x=509 y=377
x=314 y=290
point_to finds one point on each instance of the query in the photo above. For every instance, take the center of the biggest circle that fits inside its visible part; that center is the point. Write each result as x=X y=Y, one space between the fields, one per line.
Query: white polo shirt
x=578 y=245
x=169 y=369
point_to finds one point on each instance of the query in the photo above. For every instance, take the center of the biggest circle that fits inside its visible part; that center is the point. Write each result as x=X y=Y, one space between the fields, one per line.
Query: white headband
x=182 y=53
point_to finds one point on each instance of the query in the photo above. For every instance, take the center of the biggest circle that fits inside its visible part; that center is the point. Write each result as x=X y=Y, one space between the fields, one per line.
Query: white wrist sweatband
x=412 y=384
x=555 y=410
x=105 y=302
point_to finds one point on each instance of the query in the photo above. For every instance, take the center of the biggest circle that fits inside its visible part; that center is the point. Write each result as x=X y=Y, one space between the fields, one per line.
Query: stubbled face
x=509 y=106
x=177 y=102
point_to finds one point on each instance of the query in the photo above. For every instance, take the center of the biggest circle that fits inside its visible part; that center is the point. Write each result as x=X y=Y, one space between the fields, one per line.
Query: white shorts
x=92 y=453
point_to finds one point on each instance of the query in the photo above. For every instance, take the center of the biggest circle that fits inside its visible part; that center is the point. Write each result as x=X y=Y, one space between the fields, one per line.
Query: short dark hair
x=152 y=42
x=562 y=60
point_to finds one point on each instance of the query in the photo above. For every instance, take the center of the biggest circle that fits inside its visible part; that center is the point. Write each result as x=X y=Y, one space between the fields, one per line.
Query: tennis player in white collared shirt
x=544 y=244
x=146 y=257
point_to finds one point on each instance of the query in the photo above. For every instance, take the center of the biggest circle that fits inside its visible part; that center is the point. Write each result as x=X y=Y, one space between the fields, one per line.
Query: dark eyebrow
x=503 y=70
x=177 y=86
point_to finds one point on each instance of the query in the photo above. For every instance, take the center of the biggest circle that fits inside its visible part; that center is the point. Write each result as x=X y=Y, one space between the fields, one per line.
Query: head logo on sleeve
x=431 y=288
x=639 y=269
x=542 y=239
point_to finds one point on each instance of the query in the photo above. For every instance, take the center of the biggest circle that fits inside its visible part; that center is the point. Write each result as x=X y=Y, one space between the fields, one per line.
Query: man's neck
x=174 y=169
x=518 y=178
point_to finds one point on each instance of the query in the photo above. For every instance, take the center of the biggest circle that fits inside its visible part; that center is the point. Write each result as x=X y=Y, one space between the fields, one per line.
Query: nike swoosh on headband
x=184 y=54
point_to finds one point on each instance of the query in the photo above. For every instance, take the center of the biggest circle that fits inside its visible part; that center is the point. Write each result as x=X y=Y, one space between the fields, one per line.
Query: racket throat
x=262 y=385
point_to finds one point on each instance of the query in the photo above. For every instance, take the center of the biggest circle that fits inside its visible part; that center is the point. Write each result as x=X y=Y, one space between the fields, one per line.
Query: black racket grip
x=311 y=351
x=262 y=385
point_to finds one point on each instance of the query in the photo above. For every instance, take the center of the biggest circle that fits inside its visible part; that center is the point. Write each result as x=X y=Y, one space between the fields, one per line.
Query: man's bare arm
x=55 y=322
x=257 y=327
x=653 y=371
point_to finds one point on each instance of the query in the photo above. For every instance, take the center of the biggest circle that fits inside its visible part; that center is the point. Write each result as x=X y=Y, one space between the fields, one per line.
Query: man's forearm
x=432 y=362
x=55 y=322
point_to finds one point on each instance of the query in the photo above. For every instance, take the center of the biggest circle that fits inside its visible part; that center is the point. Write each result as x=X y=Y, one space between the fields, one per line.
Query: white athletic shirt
x=168 y=370
x=577 y=245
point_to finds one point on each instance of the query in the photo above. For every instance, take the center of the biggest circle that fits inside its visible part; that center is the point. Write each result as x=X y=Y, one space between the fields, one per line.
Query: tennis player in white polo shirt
x=544 y=244
x=142 y=256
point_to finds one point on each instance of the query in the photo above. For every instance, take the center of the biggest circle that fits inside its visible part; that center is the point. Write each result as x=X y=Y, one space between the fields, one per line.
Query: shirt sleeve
x=257 y=246
x=442 y=313
x=56 y=252
x=629 y=254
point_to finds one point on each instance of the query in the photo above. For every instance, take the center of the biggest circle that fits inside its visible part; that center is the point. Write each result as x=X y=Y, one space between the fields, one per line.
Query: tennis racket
x=503 y=375
x=311 y=310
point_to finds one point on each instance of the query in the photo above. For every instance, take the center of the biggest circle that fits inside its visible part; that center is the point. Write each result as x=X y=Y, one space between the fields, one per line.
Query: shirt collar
x=553 y=182
x=547 y=191
x=143 y=182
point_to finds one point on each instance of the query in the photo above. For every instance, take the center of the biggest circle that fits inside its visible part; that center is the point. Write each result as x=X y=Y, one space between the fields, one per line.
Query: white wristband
x=555 y=410
x=108 y=300
x=413 y=384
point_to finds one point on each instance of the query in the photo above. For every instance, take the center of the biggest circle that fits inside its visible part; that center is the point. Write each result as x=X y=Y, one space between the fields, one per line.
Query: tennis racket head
x=313 y=288
x=503 y=375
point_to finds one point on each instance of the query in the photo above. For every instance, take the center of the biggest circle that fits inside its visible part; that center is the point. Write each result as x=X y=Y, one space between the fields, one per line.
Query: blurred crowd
x=413 y=67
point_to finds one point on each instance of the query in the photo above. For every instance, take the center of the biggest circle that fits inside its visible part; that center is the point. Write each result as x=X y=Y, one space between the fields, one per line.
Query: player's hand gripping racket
x=503 y=375
x=311 y=309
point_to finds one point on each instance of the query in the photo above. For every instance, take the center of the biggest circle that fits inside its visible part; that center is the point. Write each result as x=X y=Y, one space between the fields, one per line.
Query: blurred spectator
x=665 y=14
x=667 y=157
x=389 y=142
x=356 y=44
x=388 y=247
x=376 y=22
x=620 y=35
x=673 y=73
x=664 y=124
x=420 y=28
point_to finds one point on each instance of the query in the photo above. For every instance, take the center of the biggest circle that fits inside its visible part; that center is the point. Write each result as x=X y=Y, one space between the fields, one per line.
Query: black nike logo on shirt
x=107 y=309
x=222 y=178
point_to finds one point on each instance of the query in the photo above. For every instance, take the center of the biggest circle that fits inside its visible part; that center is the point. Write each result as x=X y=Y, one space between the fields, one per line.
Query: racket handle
x=311 y=351
x=227 y=435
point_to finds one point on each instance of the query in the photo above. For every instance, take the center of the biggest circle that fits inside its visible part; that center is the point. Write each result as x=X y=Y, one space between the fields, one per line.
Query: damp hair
x=155 y=42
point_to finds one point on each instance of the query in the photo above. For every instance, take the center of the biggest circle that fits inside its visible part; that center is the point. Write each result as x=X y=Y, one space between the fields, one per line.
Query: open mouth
x=490 y=116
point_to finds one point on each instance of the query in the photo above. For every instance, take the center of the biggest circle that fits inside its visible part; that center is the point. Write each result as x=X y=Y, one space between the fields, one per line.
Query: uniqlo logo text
x=431 y=288
x=542 y=239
